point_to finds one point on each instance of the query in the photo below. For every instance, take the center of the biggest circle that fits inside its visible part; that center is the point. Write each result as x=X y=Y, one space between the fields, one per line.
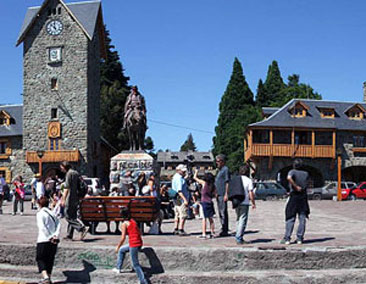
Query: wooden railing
x=54 y=156
x=288 y=150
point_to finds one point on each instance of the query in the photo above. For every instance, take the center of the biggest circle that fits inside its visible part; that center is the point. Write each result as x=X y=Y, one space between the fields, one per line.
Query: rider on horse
x=134 y=101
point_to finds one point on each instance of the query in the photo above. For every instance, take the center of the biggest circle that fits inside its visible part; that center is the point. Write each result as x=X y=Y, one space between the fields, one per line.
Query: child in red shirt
x=129 y=227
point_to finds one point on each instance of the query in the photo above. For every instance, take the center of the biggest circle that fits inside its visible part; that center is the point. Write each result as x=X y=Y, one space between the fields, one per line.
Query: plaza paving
x=334 y=250
x=331 y=224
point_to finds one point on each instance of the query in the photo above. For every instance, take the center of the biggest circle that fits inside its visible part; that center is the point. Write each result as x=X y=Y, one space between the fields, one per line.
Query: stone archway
x=316 y=177
x=354 y=173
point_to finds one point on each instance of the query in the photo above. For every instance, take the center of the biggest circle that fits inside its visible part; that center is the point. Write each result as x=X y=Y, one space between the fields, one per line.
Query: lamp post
x=339 y=167
x=40 y=154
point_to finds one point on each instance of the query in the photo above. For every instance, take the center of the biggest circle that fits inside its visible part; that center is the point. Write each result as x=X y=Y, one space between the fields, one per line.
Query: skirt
x=208 y=209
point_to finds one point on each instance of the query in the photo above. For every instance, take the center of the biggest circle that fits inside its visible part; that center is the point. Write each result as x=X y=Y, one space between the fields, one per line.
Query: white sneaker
x=116 y=270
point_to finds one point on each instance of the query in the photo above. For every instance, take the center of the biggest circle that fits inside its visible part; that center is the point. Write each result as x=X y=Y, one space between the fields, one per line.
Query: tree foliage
x=236 y=112
x=188 y=145
x=296 y=90
x=270 y=91
x=114 y=91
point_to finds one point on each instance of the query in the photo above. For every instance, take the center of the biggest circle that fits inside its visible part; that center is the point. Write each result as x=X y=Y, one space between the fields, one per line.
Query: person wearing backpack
x=242 y=210
x=70 y=201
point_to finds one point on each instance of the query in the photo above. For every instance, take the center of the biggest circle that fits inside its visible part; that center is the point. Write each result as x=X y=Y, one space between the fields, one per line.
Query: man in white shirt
x=40 y=190
x=179 y=185
x=242 y=211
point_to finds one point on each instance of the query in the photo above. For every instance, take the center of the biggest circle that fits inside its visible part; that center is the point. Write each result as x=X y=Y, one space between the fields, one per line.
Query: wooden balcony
x=54 y=156
x=285 y=150
x=292 y=150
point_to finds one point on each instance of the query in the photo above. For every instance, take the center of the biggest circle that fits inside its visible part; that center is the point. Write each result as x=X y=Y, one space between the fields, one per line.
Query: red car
x=353 y=193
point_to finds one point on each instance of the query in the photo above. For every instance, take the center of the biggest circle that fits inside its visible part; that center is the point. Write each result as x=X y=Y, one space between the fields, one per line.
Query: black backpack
x=82 y=188
x=236 y=190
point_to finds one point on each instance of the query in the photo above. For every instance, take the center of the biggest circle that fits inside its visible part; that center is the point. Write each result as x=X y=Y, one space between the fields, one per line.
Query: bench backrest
x=107 y=208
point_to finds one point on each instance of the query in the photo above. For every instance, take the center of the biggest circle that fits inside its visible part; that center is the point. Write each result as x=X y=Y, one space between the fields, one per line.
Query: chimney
x=364 y=92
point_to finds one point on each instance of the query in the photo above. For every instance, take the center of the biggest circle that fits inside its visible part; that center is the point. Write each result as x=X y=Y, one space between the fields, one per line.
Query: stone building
x=59 y=120
x=316 y=131
x=11 y=145
x=168 y=161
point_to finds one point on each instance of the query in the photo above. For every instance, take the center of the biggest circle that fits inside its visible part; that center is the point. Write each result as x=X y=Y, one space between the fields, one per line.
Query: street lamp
x=339 y=166
x=40 y=154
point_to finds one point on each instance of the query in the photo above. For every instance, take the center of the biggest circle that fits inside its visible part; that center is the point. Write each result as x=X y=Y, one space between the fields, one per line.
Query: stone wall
x=77 y=97
x=16 y=162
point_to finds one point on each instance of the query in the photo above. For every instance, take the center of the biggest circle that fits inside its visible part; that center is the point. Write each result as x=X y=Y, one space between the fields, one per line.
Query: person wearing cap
x=179 y=185
x=134 y=100
x=40 y=190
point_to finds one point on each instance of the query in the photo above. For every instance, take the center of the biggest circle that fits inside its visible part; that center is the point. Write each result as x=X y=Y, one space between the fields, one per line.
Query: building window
x=54 y=144
x=359 y=141
x=3 y=145
x=53 y=113
x=54 y=84
x=55 y=54
x=59 y=10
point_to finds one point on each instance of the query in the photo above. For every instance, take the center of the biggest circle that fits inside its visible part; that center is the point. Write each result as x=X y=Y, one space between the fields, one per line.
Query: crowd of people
x=55 y=198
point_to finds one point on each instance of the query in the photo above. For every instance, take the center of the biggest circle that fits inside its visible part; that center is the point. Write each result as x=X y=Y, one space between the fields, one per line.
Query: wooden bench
x=97 y=209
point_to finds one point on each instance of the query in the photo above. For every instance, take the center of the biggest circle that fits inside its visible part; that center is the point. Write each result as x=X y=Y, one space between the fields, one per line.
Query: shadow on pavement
x=155 y=265
x=78 y=276
x=261 y=241
x=320 y=240
x=252 y=232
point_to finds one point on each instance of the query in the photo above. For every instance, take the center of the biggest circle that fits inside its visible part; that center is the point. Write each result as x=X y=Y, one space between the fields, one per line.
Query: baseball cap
x=181 y=167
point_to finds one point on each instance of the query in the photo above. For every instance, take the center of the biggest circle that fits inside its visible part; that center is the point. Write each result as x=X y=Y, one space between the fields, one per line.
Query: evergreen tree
x=261 y=98
x=188 y=145
x=236 y=112
x=272 y=87
x=296 y=90
x=149 y=144
x=114 y=91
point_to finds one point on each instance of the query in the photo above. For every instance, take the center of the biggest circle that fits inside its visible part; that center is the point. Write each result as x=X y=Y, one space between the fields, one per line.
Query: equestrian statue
x=134 y=120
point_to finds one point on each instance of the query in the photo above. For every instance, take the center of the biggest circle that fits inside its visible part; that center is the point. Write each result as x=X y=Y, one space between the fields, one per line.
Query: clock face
x=54 y=27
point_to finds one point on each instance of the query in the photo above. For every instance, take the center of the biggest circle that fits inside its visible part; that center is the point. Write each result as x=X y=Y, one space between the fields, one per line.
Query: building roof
x=85 y=14
x=181 y=157
x=268 y=111
x=16 y=126
x=283 y=118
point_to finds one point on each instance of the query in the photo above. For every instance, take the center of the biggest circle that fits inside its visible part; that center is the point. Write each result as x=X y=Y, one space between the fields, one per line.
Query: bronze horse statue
x=136 y=129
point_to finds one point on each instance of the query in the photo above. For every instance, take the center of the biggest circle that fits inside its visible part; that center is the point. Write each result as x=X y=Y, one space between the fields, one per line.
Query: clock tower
x=62 y=48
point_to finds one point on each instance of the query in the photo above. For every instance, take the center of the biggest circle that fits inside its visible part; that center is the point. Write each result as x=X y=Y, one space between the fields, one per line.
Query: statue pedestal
x=134 y=161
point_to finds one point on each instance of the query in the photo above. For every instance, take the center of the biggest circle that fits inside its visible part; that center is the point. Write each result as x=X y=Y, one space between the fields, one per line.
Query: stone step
x=171 y=259
x=28 y=274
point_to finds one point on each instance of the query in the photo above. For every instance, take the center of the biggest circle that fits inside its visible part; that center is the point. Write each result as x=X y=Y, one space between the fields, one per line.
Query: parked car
x=357 y=192
x=328 y=191
x=93 y=185
x=269 y=190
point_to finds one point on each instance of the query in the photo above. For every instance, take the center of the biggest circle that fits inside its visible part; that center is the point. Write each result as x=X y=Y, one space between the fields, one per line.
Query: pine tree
x=114 y=91
x=261 y=98
x=272 y=87
x=296 y=90
x=188 y=145
x=236 y=112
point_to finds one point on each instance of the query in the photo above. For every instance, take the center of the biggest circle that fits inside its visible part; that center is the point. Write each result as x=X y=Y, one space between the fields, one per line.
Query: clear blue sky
x=180 y=53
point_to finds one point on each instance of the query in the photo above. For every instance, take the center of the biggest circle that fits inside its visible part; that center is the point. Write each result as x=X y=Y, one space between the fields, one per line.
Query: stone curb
x=161 y=259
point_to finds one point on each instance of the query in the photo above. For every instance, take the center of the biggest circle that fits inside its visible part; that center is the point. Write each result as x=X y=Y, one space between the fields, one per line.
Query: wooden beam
x=334 y=144
x=313 y=144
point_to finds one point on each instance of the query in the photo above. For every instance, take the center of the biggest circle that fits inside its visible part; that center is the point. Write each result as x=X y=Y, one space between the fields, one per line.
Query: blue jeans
x=300 y=229
x=242 y=212
x=134 y=260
